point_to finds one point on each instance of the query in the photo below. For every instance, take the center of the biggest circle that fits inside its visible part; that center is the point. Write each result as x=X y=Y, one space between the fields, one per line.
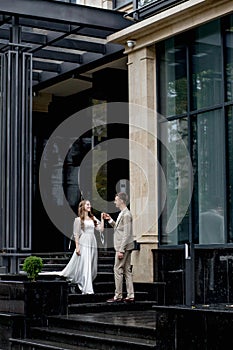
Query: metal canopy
x=65 y=39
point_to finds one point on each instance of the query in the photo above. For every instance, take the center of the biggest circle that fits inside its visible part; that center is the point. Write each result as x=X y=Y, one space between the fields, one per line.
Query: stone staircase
x=109 y=330
x=91 y=323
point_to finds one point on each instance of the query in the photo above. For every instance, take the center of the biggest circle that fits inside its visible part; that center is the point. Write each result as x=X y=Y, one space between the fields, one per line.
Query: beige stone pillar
x=41 y=102
x=107 y=4
x=143 y=159
x=95 y=3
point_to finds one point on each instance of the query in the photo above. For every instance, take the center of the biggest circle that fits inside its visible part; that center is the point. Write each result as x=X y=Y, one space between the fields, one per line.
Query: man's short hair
x=123 y=196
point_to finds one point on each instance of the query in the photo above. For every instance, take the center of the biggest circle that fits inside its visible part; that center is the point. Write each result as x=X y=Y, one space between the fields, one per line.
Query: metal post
x=16 y=147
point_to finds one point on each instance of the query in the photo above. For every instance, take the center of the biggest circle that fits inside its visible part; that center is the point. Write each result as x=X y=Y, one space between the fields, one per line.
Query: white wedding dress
x=82 y=269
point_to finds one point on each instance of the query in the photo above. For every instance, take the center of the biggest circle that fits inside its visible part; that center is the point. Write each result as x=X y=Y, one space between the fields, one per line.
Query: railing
x=69 y=1
x=145 y=8
x=140 y=3
x=120 y=3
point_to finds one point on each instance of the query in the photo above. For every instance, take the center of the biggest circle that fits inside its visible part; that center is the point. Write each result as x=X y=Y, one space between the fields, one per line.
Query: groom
x=123 y=245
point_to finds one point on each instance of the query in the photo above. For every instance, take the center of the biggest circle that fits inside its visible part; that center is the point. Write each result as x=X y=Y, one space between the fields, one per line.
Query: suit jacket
x=123 y=233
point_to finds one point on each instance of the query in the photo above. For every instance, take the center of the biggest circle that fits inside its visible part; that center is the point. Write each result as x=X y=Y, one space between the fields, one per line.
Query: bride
x=82 y=267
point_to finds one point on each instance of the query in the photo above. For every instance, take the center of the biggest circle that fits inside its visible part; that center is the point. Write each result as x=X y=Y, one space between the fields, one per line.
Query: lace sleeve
x=77 y=228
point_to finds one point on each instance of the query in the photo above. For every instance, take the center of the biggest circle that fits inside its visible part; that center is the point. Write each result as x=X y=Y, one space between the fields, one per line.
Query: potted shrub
x=33 y=266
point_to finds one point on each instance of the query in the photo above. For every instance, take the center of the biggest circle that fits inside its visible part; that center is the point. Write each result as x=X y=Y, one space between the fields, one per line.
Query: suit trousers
x=122 y=268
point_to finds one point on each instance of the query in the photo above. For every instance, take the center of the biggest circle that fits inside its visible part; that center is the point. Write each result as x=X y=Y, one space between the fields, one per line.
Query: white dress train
x=82 y=269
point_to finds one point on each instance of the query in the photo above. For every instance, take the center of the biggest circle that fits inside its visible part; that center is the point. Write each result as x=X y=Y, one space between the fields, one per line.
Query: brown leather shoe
x=114 y=300
x=128 y=300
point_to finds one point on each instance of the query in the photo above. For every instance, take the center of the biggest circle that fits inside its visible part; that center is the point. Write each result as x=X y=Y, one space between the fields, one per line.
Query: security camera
x=131 y=44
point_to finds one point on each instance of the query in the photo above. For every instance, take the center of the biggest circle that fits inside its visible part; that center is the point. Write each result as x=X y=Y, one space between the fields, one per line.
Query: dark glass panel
x=206 y=66
x=208 y=166
x=173 y=157
x=229 y=59
x=230 y=172
x=145 y=2
x=173 y=78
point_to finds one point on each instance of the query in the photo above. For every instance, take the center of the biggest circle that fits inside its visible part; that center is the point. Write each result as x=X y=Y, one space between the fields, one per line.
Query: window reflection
x=209 y=155
x=173 y=83
x=119 y=3
x=173 y=160
x=198 y=85
x=230 y=166
x=145 y=2
x=99 y=161
x=207 y=66
x=229 y=59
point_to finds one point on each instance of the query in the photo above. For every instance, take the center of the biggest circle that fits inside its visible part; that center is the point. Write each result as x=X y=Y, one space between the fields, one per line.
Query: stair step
x=94 y=340
x=32 y=344
x=53 y=267
x=110 y=323
x=108 y=307
x=108 y=287
x=104 y=277
x=106 y=252
x=105 y=267
x=106 y=259
x=91 y=322
x=100 y=297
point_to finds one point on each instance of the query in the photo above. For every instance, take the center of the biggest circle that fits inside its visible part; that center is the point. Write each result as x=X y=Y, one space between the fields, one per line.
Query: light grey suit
x=124 y=243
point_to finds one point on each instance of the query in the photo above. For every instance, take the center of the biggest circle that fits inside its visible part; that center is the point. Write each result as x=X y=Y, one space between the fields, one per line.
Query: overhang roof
x=65 y=39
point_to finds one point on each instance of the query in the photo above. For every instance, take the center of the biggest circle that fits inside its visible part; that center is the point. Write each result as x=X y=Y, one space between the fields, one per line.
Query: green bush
x=33 y=266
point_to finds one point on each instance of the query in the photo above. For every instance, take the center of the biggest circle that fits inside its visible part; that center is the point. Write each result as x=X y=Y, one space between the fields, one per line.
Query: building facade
x=55 y=63
x=173 y=62
x=182 y=57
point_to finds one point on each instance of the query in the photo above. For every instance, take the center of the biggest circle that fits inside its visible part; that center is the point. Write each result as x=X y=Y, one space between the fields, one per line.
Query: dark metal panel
x=56 y=26
x=16 y=152
x=65 y=28
x=94 y=32
x=67 y=67
x=35 y=77
x=80 y=45
x=3 y=134
x=34 y=38
x=89 y=61
x=58 y=55
x=46 y=66
x=27 y=37
x=152 y=8
x=47 y=75
x=57 y=21
x=26 y=152
x=65 y=12
x=10 y=163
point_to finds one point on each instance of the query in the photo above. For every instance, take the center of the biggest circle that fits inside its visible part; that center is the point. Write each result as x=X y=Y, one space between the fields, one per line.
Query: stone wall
x=106 y=4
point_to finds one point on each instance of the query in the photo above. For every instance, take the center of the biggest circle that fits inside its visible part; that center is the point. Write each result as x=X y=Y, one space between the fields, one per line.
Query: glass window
x=206 y=66
x=194 y=77
x=145 y=2
x=120 y=3
x=230 y=177
x=99 y=156
x=229 y=59
x=209 y=165
x=175 y=136
x=173 y=82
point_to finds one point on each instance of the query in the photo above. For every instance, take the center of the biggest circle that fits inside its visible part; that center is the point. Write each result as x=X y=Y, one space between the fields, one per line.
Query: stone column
x=143 y=179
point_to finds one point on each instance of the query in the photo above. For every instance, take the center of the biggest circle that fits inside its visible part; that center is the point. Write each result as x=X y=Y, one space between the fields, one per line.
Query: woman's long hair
x=81 y=213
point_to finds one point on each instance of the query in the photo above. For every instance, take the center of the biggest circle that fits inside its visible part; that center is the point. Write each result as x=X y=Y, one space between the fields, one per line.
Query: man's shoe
x=128 y=300
x=114 y=300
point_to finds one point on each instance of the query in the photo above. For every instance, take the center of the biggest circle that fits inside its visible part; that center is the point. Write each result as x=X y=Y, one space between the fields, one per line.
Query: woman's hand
x=106 y=216
x=120 y=255
x=78 y=250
